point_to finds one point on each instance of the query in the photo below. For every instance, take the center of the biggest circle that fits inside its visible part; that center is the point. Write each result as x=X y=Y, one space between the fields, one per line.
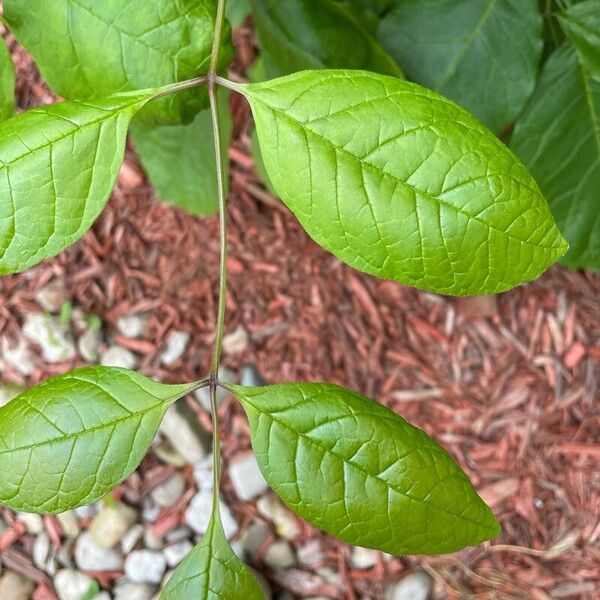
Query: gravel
x=145 y=566
x=247 y=479
x=90 y=557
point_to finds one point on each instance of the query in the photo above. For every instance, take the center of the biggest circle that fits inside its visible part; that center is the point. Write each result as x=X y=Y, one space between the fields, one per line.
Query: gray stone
x=32 y=522
x=203 y=394
x=18 y=356
x=247 y=479
x=150 y=510
x=180 y=426
x=165 y=452
x=117 y=356
x=254 y=538
x=416 y=586
x=178 y=534
x=285 y=523
x=363 y=558
x=145 y=566
x=153 y=541
x=280 y=555
x=132 y=326
x=41 y=551
x=69 y=523
x=198 y=514
x=102 y=596
x=251 y=377
x=177 y=552
x=87 y=512
x=135 y=591
x=132 y=537
x=111 y=523
x=203 y=473
x=311 y=553
x=9 y=391
x=53 y=339
x=15 y=587
x=72 y=585
x=236 y=341
x=88 y=344
x=169 y=491
x=90 y=557
x=177 y=343
x=51 y=296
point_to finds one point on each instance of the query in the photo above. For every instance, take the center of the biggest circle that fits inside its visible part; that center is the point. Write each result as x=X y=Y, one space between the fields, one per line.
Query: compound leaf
x=211 y=571
x=401 y=183
x=89 y=49
x=558 y=138
x=359 y=471
x=581 y=24
x=58 y=165
x=70 y=440
x=7 y=83
x=484 y=54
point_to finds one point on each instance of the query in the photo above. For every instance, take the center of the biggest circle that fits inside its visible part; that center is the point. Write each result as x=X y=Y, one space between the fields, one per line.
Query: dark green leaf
x=401 y=183
x=58 y=165
x=212 y=572
x=70 y=440
x=302 y=34
x=558 y=138
x=7 y=83
x=581 y=23
x=91 y=48
x=483 y=54
x=237 y=11
x=359 y=471
x=180 y=160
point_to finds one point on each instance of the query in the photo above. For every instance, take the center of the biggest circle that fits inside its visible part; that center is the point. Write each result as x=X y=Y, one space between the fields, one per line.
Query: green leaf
x=401 y=183
x=558 y=138
x=70 y=440
x=484 y=54
x=302 y=34
x=88 y=49
x=237 y=11
x=180 y=160
x=581 y=24
x=359 y=471
x=212 y=572
x=58 y=165
x=259 y=164
x=7 y=83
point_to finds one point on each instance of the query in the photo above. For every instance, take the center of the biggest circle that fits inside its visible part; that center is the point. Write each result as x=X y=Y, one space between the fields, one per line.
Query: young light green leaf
x=58 y=165
x=401 y=183
x=70 y=440
x=359 y=471
x=295 y=35
x=581 y=24
x=259 y=164
x=7 y=83
x=482 y=54
x=180 y=159
x=558 y=138
x=211 y=571
x=90 y=49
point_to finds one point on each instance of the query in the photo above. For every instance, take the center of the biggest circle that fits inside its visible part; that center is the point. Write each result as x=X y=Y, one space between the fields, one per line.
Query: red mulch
x=509 y=385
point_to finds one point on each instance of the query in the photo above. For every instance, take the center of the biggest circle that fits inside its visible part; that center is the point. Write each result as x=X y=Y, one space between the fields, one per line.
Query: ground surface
x=510 y=385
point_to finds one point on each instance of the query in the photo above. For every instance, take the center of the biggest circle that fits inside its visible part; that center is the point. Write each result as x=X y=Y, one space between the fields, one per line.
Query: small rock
x=198 y=514
x=311 y=554
x=177 y=552
x=131 y=538
x=254 y=538
x=145 y=566
x=180 y=426
x=165 y=452
x=64 y=553
x=41 y=550
x=416 y=586
x=69 y=523
x=111 y=524
x=19 y=357
x=87 y=512
x=72 y=585
x=153 y=541
x=90 y=557
x=46 y=331
x=88 y=344
x=32 y=522
x=102 y=596
x=15 y=587
x=51 y=296
x=168 y=492
x=247 y=479
x=150 y=510
x=331 y=576
x=280 y=555
x=363 y=558
x=9 y=391
x=251 y=377
x=135 y=591
x=132 y=326
x=178 y=534
x=117 y=356
x=176 y=345
x=203 y=394
x=236 y=341
x=285 y=523
x=204 y=474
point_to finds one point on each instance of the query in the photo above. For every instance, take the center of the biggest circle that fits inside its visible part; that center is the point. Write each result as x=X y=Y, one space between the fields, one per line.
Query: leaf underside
x=401 y=183
x=359 y=471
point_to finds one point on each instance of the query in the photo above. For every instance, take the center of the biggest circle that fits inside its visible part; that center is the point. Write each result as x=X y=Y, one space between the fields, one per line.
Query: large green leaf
x=359 y=471
x=91 y=48
x=237 y=11
x=180 y=159
x=483 y=54
x=581 y=23
x=70 y=440
x=58 y=165
x=212 y=572
x=558 y=138
x=302 y=34
x=401 y=183
x=7 y=83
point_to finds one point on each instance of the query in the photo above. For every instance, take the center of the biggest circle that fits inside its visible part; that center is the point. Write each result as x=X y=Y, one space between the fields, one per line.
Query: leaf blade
x=359 y=471
x=7 y=83
x=78 y=456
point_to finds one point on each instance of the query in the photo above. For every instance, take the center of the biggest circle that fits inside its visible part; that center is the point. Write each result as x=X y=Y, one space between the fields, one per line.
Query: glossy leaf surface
x=558 y=138
x=211 y=571
x=7 y=83
x=70 y=440
x=401 y=183
x=87 y=48
x=359 y=471
x=483 y=54
x=58 y=165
